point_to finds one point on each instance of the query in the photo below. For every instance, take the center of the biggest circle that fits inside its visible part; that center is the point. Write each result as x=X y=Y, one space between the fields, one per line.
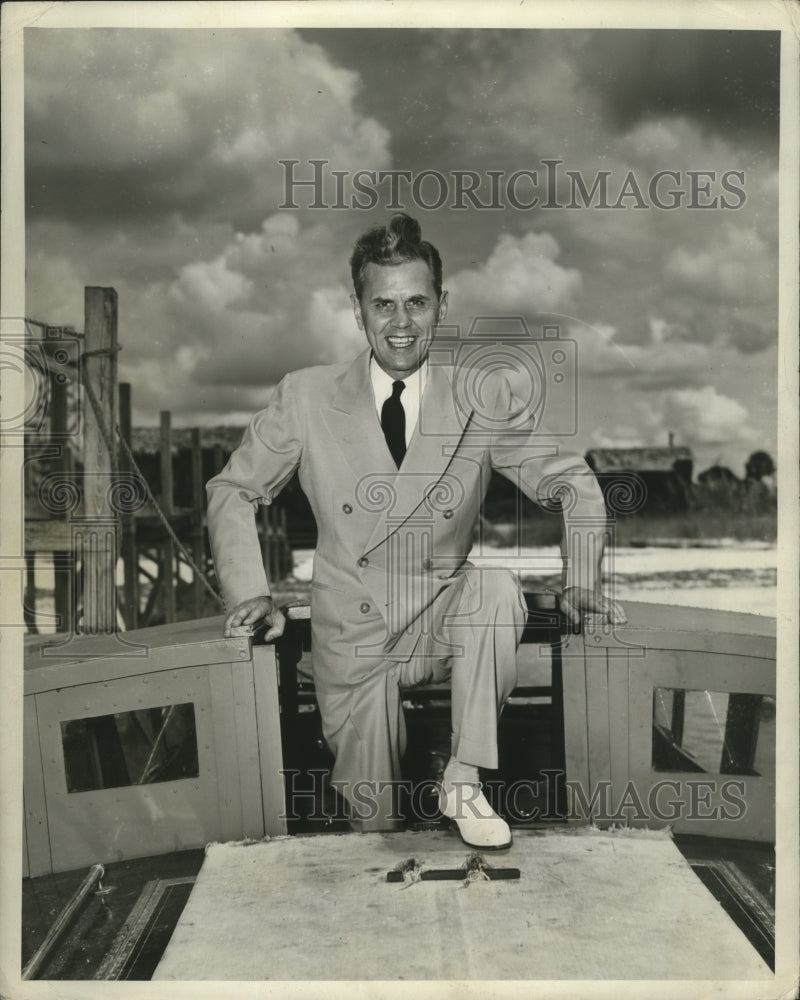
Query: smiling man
x=395 y=467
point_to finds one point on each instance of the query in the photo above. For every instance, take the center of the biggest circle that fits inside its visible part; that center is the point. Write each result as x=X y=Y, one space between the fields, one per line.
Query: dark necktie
x=393 y=422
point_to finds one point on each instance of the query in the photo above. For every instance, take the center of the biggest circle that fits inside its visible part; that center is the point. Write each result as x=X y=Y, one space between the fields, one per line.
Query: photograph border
x=736 y=15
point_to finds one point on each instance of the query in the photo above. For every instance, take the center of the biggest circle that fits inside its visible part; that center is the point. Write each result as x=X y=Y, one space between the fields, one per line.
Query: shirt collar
x=382 y=383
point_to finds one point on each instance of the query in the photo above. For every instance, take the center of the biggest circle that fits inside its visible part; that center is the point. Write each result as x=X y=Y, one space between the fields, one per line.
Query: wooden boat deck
x=127 y=929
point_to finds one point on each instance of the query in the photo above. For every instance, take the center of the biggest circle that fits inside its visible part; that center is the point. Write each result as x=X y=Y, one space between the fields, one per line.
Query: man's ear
x=357 y=311
x=442 y=307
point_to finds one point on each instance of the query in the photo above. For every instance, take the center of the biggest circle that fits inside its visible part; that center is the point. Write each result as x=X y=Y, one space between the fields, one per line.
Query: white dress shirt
x=410 y=398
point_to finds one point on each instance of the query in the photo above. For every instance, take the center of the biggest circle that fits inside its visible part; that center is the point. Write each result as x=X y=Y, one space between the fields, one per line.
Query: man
x=394 y=452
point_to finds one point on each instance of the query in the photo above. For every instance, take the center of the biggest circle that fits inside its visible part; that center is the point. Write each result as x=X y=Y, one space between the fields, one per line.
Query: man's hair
x=398 y=242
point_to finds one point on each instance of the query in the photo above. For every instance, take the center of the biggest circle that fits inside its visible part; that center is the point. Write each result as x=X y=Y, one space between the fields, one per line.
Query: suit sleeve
x=256 y=472
x=536 y=460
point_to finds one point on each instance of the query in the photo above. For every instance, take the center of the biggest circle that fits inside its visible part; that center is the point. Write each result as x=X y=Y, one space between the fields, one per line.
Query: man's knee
x=496 y=595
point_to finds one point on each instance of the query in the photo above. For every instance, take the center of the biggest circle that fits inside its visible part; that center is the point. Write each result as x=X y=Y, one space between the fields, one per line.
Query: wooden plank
x=698 y=671
x=640 y=724
x=62 y=558
x=576 y=739
x=168 y=568
x=558 y=787
x=668 y=618
x=198 y=518
x=29 y=595
x=618 y=720
x=659 y=626
x=597 y=699
x=130 y=558
x=730 y=807
x=134 y=654
x=265 y=671
x=99 y=551
x=731 y=644
x=223 y=718
x=204 y=632
x=246 y=728
x=37 y=860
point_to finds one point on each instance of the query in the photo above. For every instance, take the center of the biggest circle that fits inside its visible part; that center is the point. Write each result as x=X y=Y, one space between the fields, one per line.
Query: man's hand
x=253 y=611
x=577 y=601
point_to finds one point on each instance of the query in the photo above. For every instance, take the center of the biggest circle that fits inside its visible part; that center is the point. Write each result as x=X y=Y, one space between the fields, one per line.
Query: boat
x=143 y=747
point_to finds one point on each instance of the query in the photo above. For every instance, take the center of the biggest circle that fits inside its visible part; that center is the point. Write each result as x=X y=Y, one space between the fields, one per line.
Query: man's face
x=398 y=311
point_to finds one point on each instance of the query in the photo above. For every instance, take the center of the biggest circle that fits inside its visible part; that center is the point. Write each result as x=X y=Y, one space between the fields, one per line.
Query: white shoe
x=478 y=824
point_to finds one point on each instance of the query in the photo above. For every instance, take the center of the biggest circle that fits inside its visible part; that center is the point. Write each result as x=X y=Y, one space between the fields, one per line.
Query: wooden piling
x=168 y=546
x=198 y=507
x=100 y=540
x=130 y=598
x=59 y=430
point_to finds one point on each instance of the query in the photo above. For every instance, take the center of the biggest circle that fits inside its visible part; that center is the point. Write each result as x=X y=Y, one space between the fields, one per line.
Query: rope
x=100 y=352
x=98 y=414
x=48 y=326
x=110 y=444
x=165 y=522
x=164 y=723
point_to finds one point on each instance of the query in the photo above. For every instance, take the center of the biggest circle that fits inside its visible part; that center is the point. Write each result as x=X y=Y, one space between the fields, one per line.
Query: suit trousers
x=470 y=636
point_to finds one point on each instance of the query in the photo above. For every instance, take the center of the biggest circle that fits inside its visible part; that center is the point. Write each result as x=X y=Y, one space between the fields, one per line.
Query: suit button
x=364 y=608
x=427 y=564
x=363 y=561
x=447 y=515
x=347 y=508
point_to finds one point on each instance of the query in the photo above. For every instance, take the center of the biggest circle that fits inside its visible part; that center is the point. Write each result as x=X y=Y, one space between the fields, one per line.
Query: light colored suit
x=392 y=550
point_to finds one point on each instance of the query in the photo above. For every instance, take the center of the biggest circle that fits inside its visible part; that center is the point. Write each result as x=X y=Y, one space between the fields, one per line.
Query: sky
x=153 y=166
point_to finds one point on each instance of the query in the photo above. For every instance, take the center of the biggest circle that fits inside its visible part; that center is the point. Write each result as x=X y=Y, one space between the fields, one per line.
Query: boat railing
x=168 y=738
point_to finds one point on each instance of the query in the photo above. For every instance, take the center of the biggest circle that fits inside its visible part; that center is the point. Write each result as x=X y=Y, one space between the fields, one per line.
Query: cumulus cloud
x=152 y=166
x=262 y=307
x=696 y=416
x=522 y=276
x=734 y=268
x=138 y=123
x=210 y=285
x=705 y=416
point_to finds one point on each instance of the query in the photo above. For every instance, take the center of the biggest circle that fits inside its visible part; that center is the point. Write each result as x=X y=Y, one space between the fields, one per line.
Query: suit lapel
x=439 y=430
x=354 y=425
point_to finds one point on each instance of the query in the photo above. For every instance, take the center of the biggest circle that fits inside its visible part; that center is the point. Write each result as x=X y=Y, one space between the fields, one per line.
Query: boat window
x=140 y=747
x=714 y=732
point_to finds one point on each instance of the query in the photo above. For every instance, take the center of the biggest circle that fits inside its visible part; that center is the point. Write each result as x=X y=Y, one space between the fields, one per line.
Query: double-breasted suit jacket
x=389 y=540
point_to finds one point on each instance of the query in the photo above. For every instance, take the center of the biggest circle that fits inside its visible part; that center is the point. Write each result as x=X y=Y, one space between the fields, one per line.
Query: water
x=725 y=575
